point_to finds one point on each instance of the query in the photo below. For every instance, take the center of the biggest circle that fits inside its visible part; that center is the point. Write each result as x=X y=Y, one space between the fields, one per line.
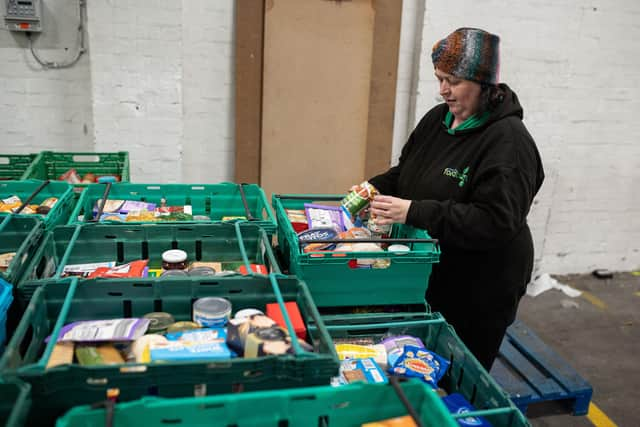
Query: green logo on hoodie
x=462 y=177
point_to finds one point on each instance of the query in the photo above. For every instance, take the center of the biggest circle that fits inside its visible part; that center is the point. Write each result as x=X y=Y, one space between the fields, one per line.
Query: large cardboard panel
x=384 y=77
x=316 y=81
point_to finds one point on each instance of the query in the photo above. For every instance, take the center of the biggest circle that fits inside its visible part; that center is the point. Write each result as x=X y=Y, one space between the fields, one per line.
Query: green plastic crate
x=15 y=402
x=213 y=200
x=348 y=406
x=20 y=234
x=57 y=389
x=51 y=164
x=14 y=166
x=226 y=242
x=334 y=283
x=60 y=212
x=465 y=374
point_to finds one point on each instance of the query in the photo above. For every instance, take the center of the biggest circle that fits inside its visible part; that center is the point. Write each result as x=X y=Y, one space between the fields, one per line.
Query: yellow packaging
x=355 y=351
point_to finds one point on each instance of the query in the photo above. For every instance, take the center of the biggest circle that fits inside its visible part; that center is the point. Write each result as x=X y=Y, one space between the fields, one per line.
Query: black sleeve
x=496 y=212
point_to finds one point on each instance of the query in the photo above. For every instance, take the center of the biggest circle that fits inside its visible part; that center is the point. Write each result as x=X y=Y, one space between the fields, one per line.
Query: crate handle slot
x=86 y=158
x=304 y=397
x=171 y=421
x=142 y=284
x=5 y=160
x=209 y=283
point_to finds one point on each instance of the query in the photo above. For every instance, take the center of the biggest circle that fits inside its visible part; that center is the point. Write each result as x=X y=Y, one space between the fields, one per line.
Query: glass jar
x=174 y=259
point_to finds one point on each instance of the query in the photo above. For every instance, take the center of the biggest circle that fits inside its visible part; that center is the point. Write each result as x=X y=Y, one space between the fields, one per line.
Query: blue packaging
x=420 y=363
x=360 y=370
x=197 y=344
x=457 y=404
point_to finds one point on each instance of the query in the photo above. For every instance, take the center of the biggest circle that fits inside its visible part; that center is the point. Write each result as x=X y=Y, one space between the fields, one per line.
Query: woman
x=468 y=174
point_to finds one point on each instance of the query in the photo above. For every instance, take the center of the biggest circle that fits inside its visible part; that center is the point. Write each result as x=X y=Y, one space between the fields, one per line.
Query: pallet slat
x=531 y=372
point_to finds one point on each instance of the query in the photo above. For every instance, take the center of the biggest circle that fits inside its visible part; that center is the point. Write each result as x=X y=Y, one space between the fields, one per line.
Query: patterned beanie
x=470 y=54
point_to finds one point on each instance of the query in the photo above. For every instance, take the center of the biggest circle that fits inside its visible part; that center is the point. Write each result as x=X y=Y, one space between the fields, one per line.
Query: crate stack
x=230 y=223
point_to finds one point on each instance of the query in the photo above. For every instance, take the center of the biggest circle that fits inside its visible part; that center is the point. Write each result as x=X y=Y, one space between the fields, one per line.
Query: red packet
x=256 y=268
x=273 y=312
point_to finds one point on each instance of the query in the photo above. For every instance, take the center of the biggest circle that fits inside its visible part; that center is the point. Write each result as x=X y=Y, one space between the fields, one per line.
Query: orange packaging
x=405 y=421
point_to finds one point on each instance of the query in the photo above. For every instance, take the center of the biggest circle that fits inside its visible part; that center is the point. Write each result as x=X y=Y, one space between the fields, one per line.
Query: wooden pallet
x=531 y=372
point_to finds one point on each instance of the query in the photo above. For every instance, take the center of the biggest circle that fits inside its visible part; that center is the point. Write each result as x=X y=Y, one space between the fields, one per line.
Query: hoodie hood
x=510 y=106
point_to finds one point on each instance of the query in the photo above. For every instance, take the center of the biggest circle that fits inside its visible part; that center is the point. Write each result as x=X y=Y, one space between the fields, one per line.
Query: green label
x=462 y=177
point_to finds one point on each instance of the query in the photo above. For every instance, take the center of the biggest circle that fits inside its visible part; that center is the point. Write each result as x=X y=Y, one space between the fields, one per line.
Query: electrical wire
x=81 y=49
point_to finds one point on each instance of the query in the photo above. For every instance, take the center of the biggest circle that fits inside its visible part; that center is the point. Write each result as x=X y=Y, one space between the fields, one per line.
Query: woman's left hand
x=389 y=209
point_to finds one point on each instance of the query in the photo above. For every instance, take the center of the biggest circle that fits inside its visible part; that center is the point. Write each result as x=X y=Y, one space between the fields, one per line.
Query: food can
x=182 y=326
x=201 y=271
x=211 y=312
x=159 y=321
x=359 y=198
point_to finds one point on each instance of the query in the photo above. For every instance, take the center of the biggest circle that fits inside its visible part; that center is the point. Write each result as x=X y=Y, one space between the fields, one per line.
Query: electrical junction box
x=24 y=15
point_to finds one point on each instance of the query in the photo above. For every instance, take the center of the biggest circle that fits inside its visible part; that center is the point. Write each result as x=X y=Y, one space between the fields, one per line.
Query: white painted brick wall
x=576 y=69
x=136 y=79
x=162 y=82
x=208 y=91
x=45 y=109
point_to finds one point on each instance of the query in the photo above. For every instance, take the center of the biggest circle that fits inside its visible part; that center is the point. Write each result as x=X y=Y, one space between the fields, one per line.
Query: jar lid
x=246 y=313
x=174 y=255
x=159 y=321
x=399 y=248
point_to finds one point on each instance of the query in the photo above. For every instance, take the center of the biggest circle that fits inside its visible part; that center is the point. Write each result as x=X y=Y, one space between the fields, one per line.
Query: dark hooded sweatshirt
x=472 y=190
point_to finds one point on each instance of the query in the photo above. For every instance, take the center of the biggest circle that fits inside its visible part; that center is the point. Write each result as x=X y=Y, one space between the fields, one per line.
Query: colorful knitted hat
x=470 y=54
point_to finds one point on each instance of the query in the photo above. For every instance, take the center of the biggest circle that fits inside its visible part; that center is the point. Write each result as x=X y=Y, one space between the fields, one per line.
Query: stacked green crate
x=216 y=201
x=15 y=403
x=349 y=406
x=43 y=190
x=465 y=375
x=20 y=235
x=331 y=279
x=14 y=166
x=51 y=165
x=59 y=303
x=81 y=244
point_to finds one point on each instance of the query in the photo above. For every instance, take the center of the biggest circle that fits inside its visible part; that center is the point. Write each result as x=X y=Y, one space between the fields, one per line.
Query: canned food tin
x=211 y=312
x=359 y=198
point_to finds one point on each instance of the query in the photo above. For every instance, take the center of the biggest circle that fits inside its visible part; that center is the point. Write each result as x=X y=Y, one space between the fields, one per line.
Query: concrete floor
x=598 y=334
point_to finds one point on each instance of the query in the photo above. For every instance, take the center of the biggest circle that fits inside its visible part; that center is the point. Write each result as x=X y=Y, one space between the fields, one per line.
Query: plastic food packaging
x=104 y=330
x=132 y=269
x=324 y=216
x=420 y=363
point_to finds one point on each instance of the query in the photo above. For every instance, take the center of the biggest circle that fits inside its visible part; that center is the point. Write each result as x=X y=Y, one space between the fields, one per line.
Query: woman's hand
x=389 y=209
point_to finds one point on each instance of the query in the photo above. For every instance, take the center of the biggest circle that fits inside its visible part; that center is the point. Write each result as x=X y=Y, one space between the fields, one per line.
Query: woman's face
x=462 y=96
